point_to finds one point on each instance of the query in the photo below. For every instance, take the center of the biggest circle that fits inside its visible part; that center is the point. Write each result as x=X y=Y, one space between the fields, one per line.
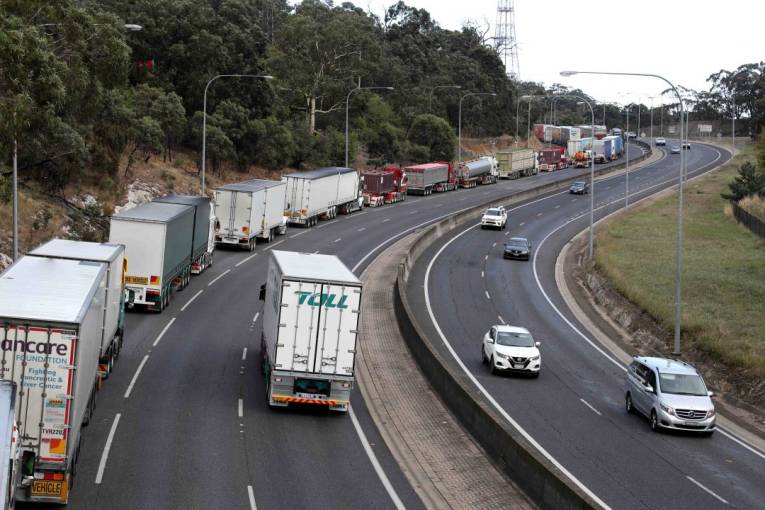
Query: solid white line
x=224 y=273
x=487 y=294
x=588 y=405
x=277 y=243
x=484 y=391
x=707 y=490
x=107 y=447
x=244 y=354
x=135 y=376
x=255 y=319
x=251 y=495
x=240 y=408
x=733 y=438
x=190 y=300
x=162 y=333
x=245 y=260
x=375 y=463
x=293 y=236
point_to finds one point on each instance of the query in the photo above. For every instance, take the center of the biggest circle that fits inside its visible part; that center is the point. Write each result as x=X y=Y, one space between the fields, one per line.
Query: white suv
x=494 y=217
x=511 y=349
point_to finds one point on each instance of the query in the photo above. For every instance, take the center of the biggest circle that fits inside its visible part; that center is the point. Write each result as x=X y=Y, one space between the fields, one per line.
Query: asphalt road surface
x=575 y=409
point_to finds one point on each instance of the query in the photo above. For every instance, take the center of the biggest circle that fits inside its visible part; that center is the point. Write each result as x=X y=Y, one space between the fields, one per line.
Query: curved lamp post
x=679 y=254
x=431 y=89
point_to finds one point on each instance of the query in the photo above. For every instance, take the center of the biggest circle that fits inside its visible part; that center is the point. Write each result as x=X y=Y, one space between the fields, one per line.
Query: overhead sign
x=705 y=128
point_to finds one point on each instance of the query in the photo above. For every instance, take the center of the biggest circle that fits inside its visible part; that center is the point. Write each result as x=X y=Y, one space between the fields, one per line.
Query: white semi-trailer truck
x=201 y=253
x=9 y=461
x=250 y=210
x=51 y=313
x=310 y=330
x=158 y=241
x=113 y=255
x=321 y=193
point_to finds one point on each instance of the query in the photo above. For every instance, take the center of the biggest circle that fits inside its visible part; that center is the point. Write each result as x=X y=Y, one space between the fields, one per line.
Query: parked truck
x=201 y=255
x=310 y=330
x=602 y=150
x=477 y=171
x=158 y=240
x=516 y=163
x=113 y=255
x=551 y=159
x=617 y=146
x=426 y=178
x=248 y=211
x=9 y=462
x=321 y=193
x=385 y=186
x=52 y=313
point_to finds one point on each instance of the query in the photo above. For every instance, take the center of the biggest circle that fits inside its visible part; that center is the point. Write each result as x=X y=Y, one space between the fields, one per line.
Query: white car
x=511 y=349
x=660 y=141
x=494 y=217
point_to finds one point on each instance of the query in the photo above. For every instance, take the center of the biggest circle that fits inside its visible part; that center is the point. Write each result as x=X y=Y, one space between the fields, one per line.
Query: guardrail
x=753 y=223
x=540 y=479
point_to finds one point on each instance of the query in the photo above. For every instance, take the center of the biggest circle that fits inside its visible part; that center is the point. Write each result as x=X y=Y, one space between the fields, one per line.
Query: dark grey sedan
x=517 y=248
x=579 y=188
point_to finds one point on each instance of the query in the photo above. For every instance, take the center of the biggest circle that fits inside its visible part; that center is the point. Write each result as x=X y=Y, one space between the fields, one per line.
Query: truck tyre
x=251 y=245
x=270 y=236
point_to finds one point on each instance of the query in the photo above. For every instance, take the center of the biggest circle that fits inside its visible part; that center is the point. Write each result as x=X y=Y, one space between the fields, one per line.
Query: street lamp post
x=432 y=89
x=651 y=98
x=679 y=254
x=347 y=103
x=627 y=164
x=526 y=97
x=204 y=114
x=733 y=120
x=459 y=121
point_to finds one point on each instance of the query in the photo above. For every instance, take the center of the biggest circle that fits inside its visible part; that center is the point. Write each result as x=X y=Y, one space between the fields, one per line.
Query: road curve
x=575 y=409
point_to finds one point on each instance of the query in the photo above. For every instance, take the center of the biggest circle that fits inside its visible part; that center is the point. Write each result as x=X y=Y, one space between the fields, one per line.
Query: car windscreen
x=514 y=339
x=682 y=384
x=578 y=185
x=516 y=243
x=493 y=212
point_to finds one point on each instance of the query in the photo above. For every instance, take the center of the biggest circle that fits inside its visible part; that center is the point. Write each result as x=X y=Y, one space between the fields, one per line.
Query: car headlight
x=503 y=356
x=534 y=358
x=710 y=413
x=667 y=409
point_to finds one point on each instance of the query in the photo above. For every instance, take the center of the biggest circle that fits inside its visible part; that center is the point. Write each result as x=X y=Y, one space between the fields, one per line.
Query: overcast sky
x=683 y=40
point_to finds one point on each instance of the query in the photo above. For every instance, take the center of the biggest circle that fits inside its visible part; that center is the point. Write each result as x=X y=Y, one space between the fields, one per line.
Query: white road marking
x=463 y=199
x=486 y=257
x=323 y=225
x=135 y=376
x=190 y=300
x=244 y=354
x=539 y=214
x=240 y=408
x=522 y=224
x=740 y=442
x=338 y=239
x=482 y=274
x=255 y=319
x=709 y=491
x=375 y=463
x=588 y=405
x=494 y=245
x=573 y=200
x=487 y=294
x=248 y=258
x=251 y=495
x=293 y=236
x=501 y=319
x=557 y=206
x=438 y=205
x=224 y=273
x=277 y=243
x=162 y=333
x=362 y=229
x=107 y=447
x=415 y=212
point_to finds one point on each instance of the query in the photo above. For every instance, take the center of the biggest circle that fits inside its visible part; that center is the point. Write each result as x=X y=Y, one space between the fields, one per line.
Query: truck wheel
x=251 y=245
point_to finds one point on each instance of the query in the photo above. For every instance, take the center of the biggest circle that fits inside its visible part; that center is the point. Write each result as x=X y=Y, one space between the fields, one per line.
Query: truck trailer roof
x=183 y=200
x=320 y=172
x=79 y=250
x=156 y=212
x=313 y=267
x=250 y=186
x=49 y=290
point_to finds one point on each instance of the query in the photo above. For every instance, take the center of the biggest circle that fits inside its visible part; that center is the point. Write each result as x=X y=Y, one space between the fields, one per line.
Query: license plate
x=518 y=365
x=137 y=280
x=47 y=488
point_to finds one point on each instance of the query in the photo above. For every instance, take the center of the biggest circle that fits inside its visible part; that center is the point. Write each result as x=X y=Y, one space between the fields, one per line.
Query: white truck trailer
x=158 y=240
x=113 y=324
x=51 y=312
x=321 y=193
x=9 y=461
x=310 y=330
x=201 y=252
x=249 y=210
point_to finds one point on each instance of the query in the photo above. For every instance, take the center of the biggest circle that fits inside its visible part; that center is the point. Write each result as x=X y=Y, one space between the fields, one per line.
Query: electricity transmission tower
x=507 y=44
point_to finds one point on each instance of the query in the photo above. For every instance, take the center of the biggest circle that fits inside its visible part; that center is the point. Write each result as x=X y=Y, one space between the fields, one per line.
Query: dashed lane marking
x=248 y=258
x=224 y=273
x=709 y=491
x=107 y=447
x=590 y=406
x=164 y=330
x=192 y=299
x=135 y=376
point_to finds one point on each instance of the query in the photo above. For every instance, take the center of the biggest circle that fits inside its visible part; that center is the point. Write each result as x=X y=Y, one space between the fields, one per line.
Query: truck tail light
x=245 y=229
x=277 y=379
x=154 y=280
x=47 y=475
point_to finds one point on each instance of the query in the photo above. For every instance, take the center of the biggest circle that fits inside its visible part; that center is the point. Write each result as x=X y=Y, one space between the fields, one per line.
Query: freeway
x=575 y=409
x=182 y=421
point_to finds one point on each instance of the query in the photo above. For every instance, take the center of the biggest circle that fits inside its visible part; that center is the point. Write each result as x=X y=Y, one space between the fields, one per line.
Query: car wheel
x=628 y=404
x=483 y=356
x=492 y=368
x=654 y=421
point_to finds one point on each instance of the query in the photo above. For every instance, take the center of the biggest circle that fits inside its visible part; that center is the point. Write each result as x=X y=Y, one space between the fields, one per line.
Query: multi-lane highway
x=575 y=409
x=182 y=422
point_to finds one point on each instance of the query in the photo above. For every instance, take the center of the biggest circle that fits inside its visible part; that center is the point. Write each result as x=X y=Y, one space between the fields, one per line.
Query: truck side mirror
x=262 y=293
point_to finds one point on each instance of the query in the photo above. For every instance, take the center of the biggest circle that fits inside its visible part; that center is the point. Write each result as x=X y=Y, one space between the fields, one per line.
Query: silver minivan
x=670 y=393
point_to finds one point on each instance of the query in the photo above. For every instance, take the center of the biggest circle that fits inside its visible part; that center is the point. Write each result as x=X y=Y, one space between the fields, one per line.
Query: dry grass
x=724 y=269
x=754 y=206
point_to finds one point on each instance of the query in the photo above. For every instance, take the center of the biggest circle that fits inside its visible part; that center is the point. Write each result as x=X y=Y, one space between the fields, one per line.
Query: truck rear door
x=338 y=327
x=298 y=324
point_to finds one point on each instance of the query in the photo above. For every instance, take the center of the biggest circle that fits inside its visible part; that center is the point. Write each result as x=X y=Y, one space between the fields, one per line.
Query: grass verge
x=724 y=269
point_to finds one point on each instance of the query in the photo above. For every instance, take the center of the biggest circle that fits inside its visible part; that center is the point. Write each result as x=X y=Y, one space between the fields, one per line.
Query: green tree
x=747 y=183
x=435 y=134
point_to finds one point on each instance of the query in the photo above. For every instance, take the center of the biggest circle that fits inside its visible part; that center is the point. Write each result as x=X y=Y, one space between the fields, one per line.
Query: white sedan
x=511 y=349
x=494 y=217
